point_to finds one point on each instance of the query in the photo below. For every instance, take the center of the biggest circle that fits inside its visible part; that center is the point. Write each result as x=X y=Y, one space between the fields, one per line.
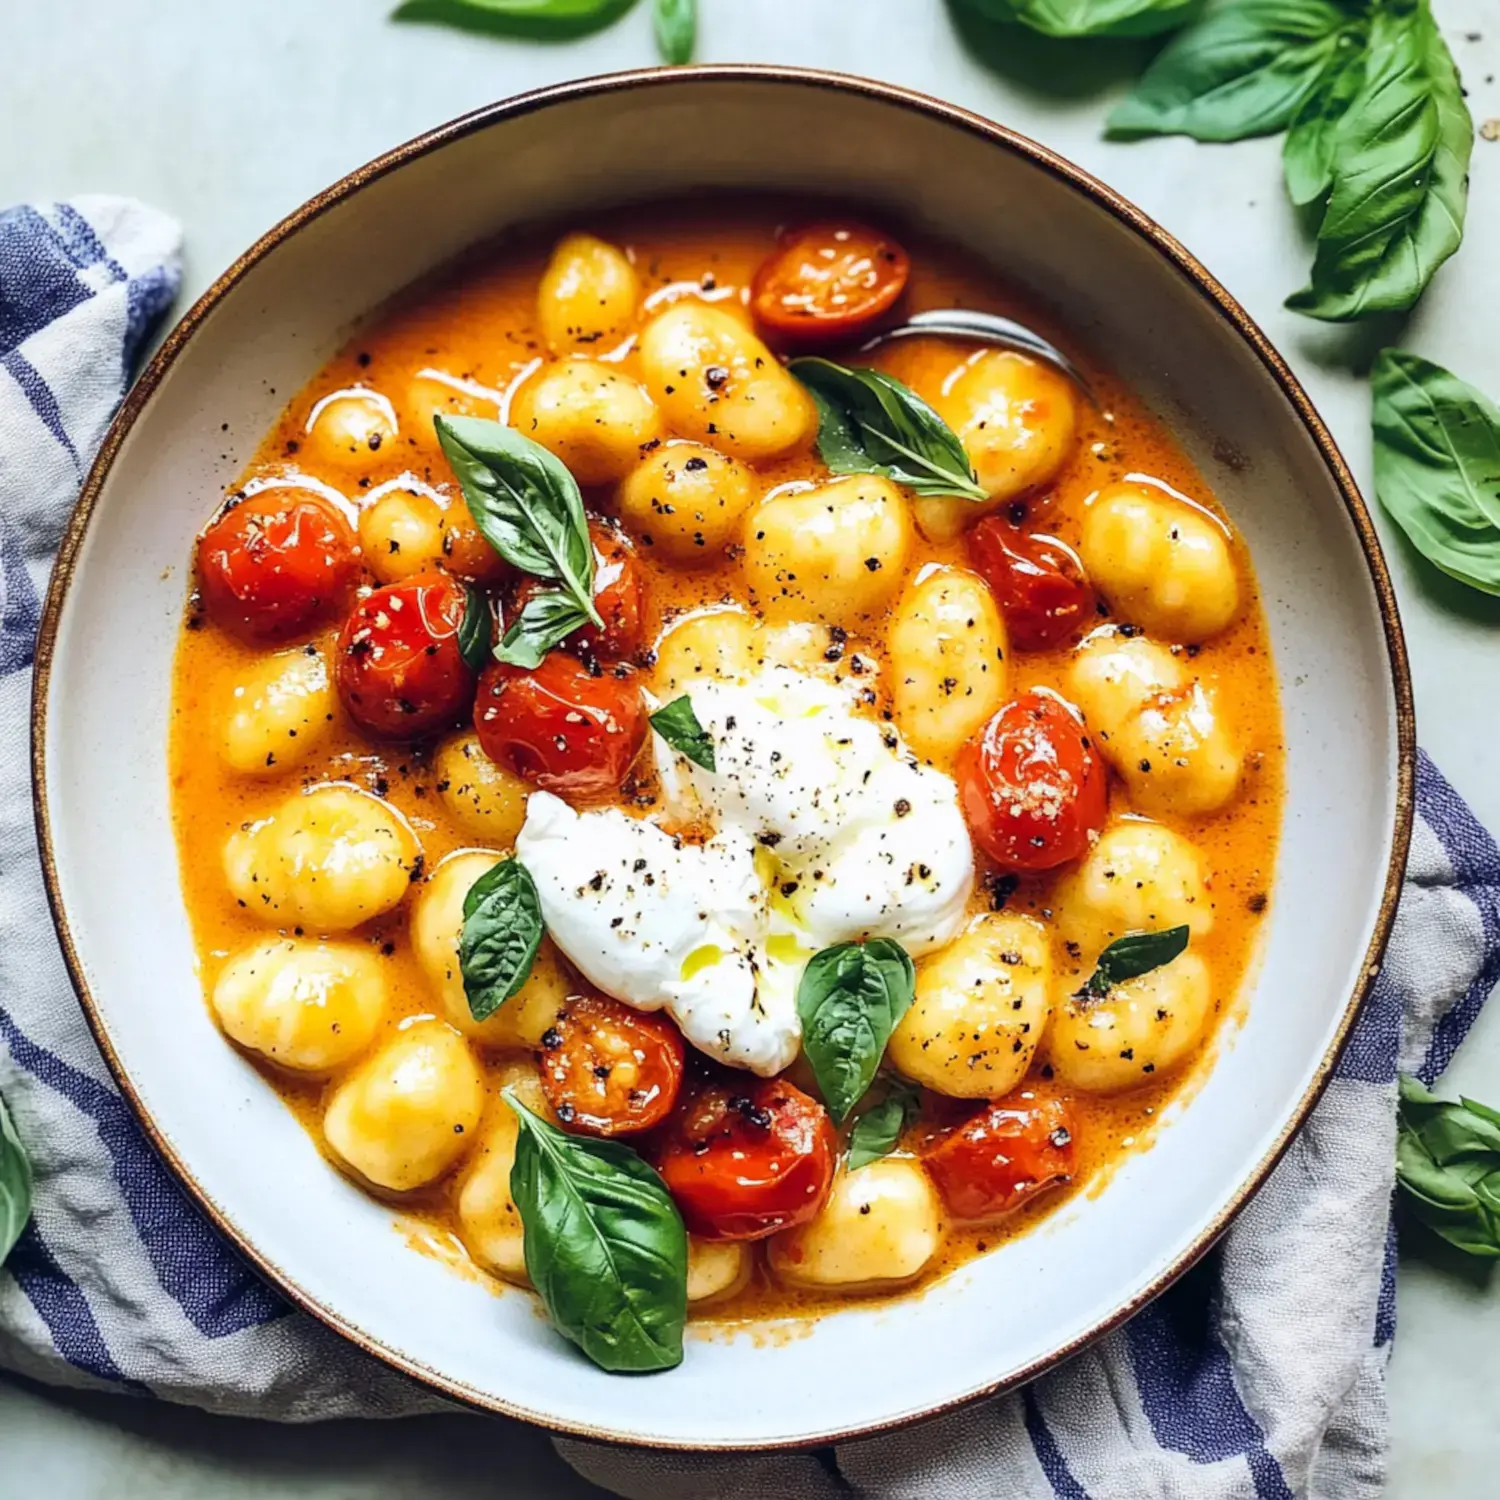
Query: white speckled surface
x=230 y=113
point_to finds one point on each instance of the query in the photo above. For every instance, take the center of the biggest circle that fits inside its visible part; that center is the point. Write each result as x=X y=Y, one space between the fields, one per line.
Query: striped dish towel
x=1260 y=1375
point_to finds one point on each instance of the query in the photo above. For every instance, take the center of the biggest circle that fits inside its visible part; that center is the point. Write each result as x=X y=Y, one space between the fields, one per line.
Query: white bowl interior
x=107 y=778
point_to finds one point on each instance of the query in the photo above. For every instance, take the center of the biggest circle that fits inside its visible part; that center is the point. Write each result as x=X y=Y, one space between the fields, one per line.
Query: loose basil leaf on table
x=547 y=619
x=869 y=423
x=1075 y=18
x=1307 y=151
x=849 y=1000
x=1437 y=465
x=501 y=934
x=475 y=629
x=875 y=1133
x=548 y=20
x=675 y=23
x=605 y=1246
x=678 y=725
x=525 y=502
x=1448 y=1165
x=1131 y=956
x=15 y=1184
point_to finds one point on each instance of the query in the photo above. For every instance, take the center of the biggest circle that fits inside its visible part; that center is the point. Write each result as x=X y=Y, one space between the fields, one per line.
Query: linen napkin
x=1261 y=1374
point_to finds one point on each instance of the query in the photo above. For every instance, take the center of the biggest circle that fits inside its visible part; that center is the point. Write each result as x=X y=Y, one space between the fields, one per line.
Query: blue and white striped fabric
x=1260 y=1375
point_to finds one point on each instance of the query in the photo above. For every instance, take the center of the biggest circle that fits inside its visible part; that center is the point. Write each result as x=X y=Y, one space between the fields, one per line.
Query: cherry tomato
x=276 y=563
x=1037 y=581
x=1032 y=790
x=561 y=726
x=619 y=596
x=1010 y=1151
x=746 y=1159
x=400 y=672
x=827 y=282
x=608 y=1069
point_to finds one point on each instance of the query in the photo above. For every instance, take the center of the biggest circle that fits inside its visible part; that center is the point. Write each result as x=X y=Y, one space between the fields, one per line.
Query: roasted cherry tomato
x=1038 y=582
x=400 y=672
x=608 y=1069
x=1032 y=790
x=619 y=596
x=827 y=282
x=275 y=564
x=561 y=726
x=746 y=1159
x=1013 y=1149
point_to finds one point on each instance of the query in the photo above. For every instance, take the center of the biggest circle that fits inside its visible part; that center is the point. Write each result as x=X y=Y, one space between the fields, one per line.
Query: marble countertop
x=229 y=114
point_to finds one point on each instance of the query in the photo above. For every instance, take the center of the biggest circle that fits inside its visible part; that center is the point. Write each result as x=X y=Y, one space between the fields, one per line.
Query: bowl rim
x=1193 y=274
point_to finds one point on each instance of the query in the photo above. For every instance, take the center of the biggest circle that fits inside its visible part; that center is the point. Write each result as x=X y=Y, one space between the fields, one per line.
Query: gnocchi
x=347 y=428
x=279 y=713
x=717 y=1269
x=715 y=643
x=588 y=295
x=401 y=533
x=686 y=502
x=593 y=416
x=484 y=799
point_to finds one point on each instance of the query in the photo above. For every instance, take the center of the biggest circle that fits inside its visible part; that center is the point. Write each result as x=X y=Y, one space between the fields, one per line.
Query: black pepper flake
x=388 y=949
x=551 y=1038
x=1130 y=631
x=902 y=807
x=566 y=1113
x=1061 y=1137
x=873 y=564
x=1002 y=888
x=1257 y=903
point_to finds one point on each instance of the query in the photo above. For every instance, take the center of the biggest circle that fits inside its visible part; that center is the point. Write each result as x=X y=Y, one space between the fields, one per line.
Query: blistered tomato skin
x=745 y=1160
x=826 y=282
x=1010 y=1151
x=401 y=674
x=1032 y=790
x=561 y=726
x=1037 y=581
x=619 y=596
x=276 y=564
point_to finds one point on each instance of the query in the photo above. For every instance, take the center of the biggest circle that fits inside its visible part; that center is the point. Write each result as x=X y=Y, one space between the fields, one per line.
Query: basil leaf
x=678 y=725
x=1400 y=162
x=475 y=629
x=605 y=1246
x=869 y=423
x=1437 y=465
x=676 y=25
x=501 y=934
x=547 y=20
x=849 y=1000
x=1070 y=18
x=1307 y=151
x=15 y=1184
x=546 y=619
x=1243 y=70
x=1131 y=956
x=875 y=1133
x=1448 y=1165
x=524 y=501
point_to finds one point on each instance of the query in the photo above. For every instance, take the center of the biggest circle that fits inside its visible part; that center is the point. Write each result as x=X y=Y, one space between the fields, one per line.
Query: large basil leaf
x=1070 y=18
x=1131 y=956
x=1243 y=70
x=1437 y=465
x=15 y=1184
x=875 y=1133
x=546 y=619
x=849 y=1000
x=525 y=502
x=1400 y=161
x=551 y=20
x=869 y=423
x=605 y=1246
x=501 y=934
x=1448 y=1164
x=676 y=25
x=678 y=725
x=1307 y=151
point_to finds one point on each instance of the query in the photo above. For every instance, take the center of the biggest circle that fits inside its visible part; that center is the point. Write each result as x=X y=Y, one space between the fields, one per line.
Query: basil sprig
x=475 y=629
x=546 y=20
x=849 y=1000
x=678 y=725
x=1437 y=465
x=1131 y=956
x=675 y=23
x=1448 y=1164
x=15 y=1184
x=869 y=423
x=1071 y=18
x=501 y=934
x=875 y=1133
x=546 y=619
x=605 y=1246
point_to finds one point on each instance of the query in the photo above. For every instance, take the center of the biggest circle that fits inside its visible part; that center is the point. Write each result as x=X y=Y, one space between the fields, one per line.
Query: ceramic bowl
x=1129 y=292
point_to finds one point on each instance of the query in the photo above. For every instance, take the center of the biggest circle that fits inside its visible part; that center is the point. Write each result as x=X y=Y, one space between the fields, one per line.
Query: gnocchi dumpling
x=279 y=711
x=716 y=1269
x=407 y=1113
x=346 y=428
x=305 y=1005
x=1158 y=727
x=717 y=382
x=834 y=552
x=484 y=799
x=1162 y=563
x=588 y=295
x=431 y=394
x=327 y=859
x=437 y=921
x=401 y=533
x=881 y=1226
x=948 y=667
x=1140 y=1029
x=593 y=416
x=709 y=644
x=980 y=1010
x=686 y=502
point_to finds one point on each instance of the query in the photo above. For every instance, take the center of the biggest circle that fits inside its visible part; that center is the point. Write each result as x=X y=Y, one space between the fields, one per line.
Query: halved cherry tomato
x=619 y=596
x=1038 y=582
x=827 y=282
x=1032 y=790
x=400 y=672
x=1010 y=1151
x=746 y=1159
x=608 y=1069
x=561 y=726
x=275 y=564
